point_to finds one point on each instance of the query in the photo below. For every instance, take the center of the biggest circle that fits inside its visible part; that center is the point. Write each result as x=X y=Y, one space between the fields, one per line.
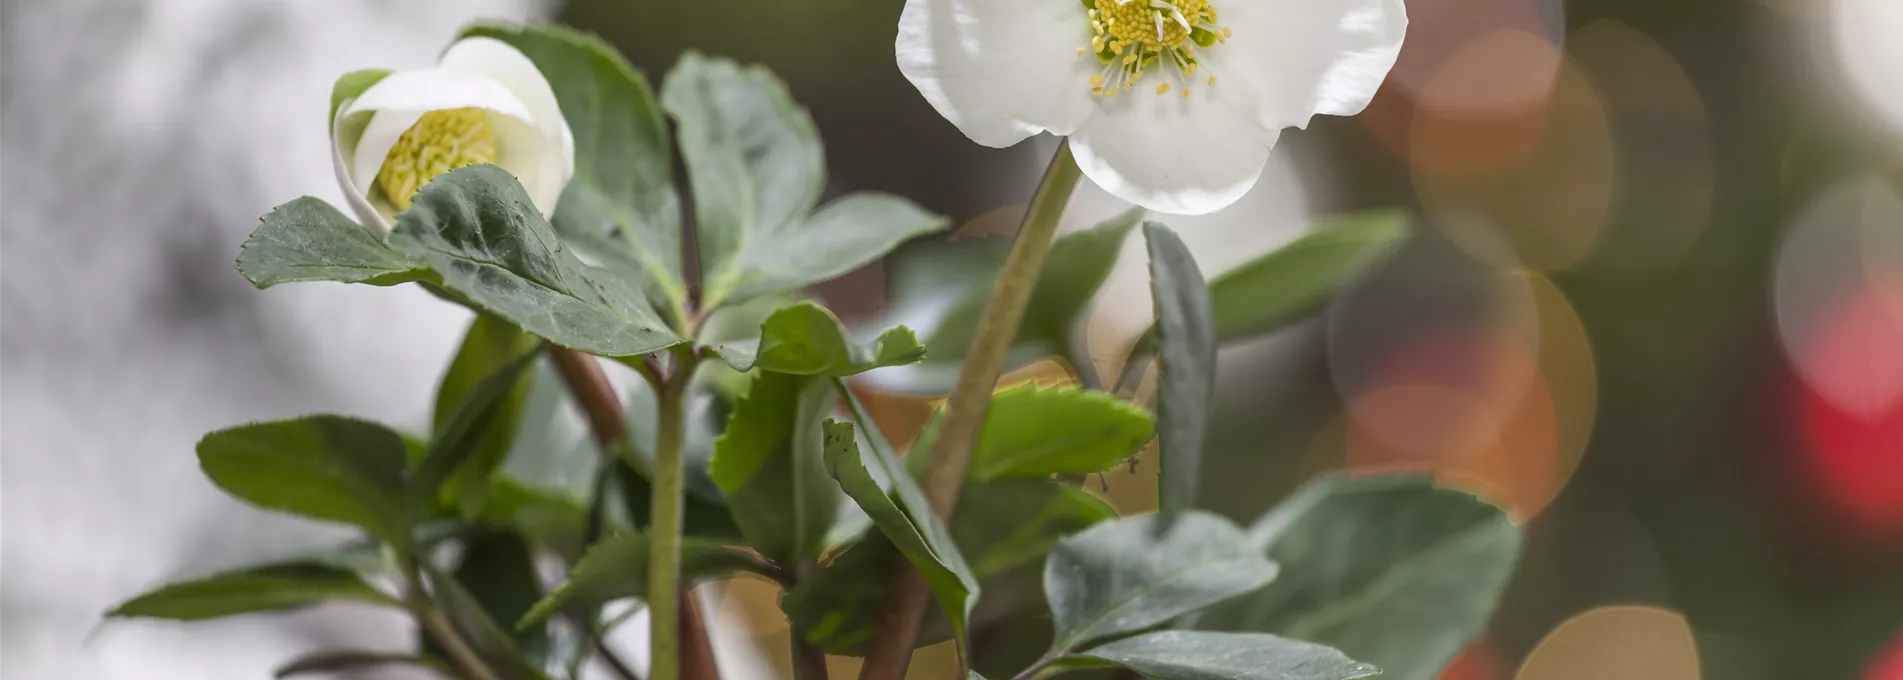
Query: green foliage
x=468 y=616
x=806 y=339
x=621 y=208
x=322 y=467
x=618 y=567
x=350 y=86
x=308 y=240
x=1035 y=433
x=273 y=587
x=1121 y=577
x=770 y=466
x=1186 y=371
x=478 y=406
x=843 y=235
x=1390 y=569
x=335 y=661
x=1199 y=655
x=480 y=233
x=899 y=509
x=497 y=569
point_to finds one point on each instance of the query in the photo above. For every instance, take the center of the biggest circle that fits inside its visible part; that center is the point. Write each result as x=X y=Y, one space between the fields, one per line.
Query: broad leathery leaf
x=1202 y=655
x=345 y=661
x=904 y=517
x=753 y=157
x=1121 y=577
x=621 y=207
x=617 y=567
x=1186 y=369
x=272 y=587
x=770 y=466
x=842 y=236
x=1035 y=433
x=482 y=235
x=1390 y=569
x=806 y=339
x=494 y=348
x=322 y=467
x=308 y=240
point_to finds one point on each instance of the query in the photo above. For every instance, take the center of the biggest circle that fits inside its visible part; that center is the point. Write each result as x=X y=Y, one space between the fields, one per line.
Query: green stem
x=664 y=533
x=905 y=602
x=439 y=626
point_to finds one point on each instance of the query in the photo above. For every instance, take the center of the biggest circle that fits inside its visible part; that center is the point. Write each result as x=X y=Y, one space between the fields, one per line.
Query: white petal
x=1170 y=154
x=1292 y=59
x=343 y=144
x=1000 y=70
x=373 y=146
x=502 y=63
x=431 y=89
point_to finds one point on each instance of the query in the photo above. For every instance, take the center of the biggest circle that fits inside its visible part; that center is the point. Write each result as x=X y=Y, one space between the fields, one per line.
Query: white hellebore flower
x=1168 y=104
x=484 y=102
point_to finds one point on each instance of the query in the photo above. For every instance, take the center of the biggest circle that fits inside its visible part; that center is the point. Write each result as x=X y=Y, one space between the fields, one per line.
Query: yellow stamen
x=439 y=141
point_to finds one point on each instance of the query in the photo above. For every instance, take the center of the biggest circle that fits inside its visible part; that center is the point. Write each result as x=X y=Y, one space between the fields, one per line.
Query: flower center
x=439 y=142
x=1133 y=36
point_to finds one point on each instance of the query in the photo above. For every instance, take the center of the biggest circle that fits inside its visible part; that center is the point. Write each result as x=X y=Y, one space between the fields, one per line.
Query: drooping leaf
x=1202 y=655
x=844 y=235
x=1121 y=577
x=770 y=466
x=498 y=571
x=753 y=157
x=1292 y=282
x=621 y=207
x=1186 y=370
x=1035 y=433
x=943 y=289
x=618 y=567
x=806 y=339
x=473 y=623
x=308 y=240
x=477 y=416
x=323 y=467
x=346 y=661
x=272 y=587
x=899 y=509
x=1390 y=569
x=480 y=233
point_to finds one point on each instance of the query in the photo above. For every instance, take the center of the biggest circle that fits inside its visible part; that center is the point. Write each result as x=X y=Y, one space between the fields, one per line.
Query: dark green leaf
x=753 y=157
x=478 y=405
x=498 y=570
x=1186 y=368
x=334 y=661
x=770 y=465
x=1200 y=655
x=479 y=232
x=618 y=567
x=837 y=606
x=323 y=467
x=1012 y=522
x=275 y=587
x=548 y=518
x=1124 y=576
x=308 y=240
x=905 y=517
x=472 y=621
x=621 y=207
x=806 y=339
x=1390 y=569
x=1034 y=433
x=846 y=234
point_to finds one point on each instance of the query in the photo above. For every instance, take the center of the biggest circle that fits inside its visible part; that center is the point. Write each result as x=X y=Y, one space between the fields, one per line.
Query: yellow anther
x=1096 y=80
x=1212 y=80
x=439 y=141
x=1163 y=89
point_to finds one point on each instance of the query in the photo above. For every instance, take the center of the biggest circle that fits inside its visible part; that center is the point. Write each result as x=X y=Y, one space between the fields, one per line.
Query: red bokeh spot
x=1888 y=665
x=1855 y=445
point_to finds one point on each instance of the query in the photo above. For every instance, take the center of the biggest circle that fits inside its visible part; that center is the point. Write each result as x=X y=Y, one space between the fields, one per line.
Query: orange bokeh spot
x=1479 y=661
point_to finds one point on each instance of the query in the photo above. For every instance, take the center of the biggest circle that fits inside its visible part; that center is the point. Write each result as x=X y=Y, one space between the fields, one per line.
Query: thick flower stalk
x=1173 y=105
x=484 y=102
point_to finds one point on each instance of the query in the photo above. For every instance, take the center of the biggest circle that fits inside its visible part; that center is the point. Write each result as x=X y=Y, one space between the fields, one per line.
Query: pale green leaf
x=842 y=236
x=347 y=661
x=1186 y=367
x=476 y=415
x=806 y=339
x=308 y=240
x=273 y=587
x=1121 y=577
x=770 y=466
x=323 y=467
x=1031 y=432
x=1201 y=655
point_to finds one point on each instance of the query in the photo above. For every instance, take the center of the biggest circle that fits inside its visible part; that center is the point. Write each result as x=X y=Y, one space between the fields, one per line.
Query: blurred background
x=1652 y=302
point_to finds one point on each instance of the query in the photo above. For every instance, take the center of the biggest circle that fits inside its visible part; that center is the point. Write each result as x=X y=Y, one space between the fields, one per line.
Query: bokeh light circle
x=1624 y=641
x=1864 y=33
x=1835 y=297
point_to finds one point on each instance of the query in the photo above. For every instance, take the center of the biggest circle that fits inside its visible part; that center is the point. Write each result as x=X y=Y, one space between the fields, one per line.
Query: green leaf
x=945 y=289
x=1034 y=433
x=1201 y=655
x=753 y=157
x=1007 y=523
x=550 y=519
x=345 y=661
x=905 y=517
x=349 y=86
x=770 y=466
x=837 y=606
x=1186 y=368
x=806 y=339
x=478 y=405
x=472 y=621
x=1290 y=283
x=498 y=570
x=322 y=467
x=480 y=233
x=618 y=567
x=621 y=207
x=1121 y=577
x=308 y=240
x=1390 y=569
x=845 y=235
x=274 y=587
